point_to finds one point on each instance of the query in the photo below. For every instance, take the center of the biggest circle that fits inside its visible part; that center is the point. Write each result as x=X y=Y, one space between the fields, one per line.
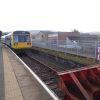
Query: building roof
x=69 y=33
x=46 y=32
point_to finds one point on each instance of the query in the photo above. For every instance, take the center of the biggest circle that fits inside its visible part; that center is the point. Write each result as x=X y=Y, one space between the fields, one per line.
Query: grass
x=67 y=56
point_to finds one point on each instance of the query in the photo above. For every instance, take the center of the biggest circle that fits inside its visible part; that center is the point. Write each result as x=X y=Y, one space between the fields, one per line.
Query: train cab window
x=24 y=38
x=15 y=38
x=28 y=38
x=21 y=38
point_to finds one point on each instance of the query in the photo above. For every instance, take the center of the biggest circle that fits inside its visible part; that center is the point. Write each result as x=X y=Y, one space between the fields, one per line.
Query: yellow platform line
x=12 y=89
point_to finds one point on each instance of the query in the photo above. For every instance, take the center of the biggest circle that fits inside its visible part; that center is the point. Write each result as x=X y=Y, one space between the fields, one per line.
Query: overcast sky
x=58 y=15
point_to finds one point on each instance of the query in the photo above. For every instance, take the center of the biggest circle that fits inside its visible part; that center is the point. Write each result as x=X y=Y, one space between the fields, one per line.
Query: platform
x=16 y=83
x=2 y=89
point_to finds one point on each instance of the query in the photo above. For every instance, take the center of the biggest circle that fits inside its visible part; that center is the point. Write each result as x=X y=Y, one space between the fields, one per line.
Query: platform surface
x=12 y=89
x=1 y=75
x=15 y=81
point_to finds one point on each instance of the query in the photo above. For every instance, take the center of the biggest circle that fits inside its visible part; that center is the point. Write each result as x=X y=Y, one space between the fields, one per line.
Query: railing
x=82 y=48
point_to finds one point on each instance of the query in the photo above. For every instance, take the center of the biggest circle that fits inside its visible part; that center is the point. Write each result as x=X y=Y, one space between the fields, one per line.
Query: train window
x=15 y=38
x=24 y=38
x=27 y=38
x=21 y=38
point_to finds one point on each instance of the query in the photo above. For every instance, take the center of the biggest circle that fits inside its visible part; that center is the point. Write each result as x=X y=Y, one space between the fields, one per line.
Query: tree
x=0 y=34
x=75 y=31
x=4 y=33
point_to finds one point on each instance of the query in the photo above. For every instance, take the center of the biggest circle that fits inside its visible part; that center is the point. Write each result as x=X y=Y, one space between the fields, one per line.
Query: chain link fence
x=77 y=47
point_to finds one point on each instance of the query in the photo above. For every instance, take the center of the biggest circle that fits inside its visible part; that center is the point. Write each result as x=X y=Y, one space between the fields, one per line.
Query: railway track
x=57 y=65
x=80 y=83
x=47 y=75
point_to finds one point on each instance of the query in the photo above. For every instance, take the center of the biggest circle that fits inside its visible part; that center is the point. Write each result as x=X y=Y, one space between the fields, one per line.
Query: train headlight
x=28 y=43
x=15 y=44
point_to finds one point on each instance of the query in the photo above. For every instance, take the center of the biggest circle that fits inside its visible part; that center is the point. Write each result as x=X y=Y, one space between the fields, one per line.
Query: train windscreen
x=21 y=36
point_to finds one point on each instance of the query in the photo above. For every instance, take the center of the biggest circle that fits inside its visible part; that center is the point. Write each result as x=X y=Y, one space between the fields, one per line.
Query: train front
x=21 y=40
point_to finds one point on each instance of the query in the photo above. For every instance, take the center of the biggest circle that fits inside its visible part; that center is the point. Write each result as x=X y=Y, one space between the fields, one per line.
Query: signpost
x=98 y=54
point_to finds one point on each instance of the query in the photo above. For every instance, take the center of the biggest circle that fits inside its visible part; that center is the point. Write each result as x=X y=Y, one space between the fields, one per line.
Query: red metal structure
x=81 y=84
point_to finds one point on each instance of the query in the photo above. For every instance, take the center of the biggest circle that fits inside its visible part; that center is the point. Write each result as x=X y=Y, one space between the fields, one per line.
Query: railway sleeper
x=59 y=93
x=48 y=78
x=41 y=70
x=51 y=81
x=47 y=75
x=53 y=86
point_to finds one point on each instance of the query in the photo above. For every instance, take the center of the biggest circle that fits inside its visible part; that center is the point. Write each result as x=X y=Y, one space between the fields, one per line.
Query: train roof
x=6 y=35
x=21 y=32
x=16 y=32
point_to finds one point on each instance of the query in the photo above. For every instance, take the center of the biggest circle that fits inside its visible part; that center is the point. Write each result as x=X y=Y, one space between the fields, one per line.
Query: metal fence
x=77 y=47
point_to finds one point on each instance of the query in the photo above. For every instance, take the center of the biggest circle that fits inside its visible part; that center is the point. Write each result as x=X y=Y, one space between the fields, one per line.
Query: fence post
x=95 y=48
x=77 y=46
x=57 y=44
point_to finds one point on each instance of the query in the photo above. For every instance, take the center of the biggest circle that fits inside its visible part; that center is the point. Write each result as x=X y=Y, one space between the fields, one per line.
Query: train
x=18 y=40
